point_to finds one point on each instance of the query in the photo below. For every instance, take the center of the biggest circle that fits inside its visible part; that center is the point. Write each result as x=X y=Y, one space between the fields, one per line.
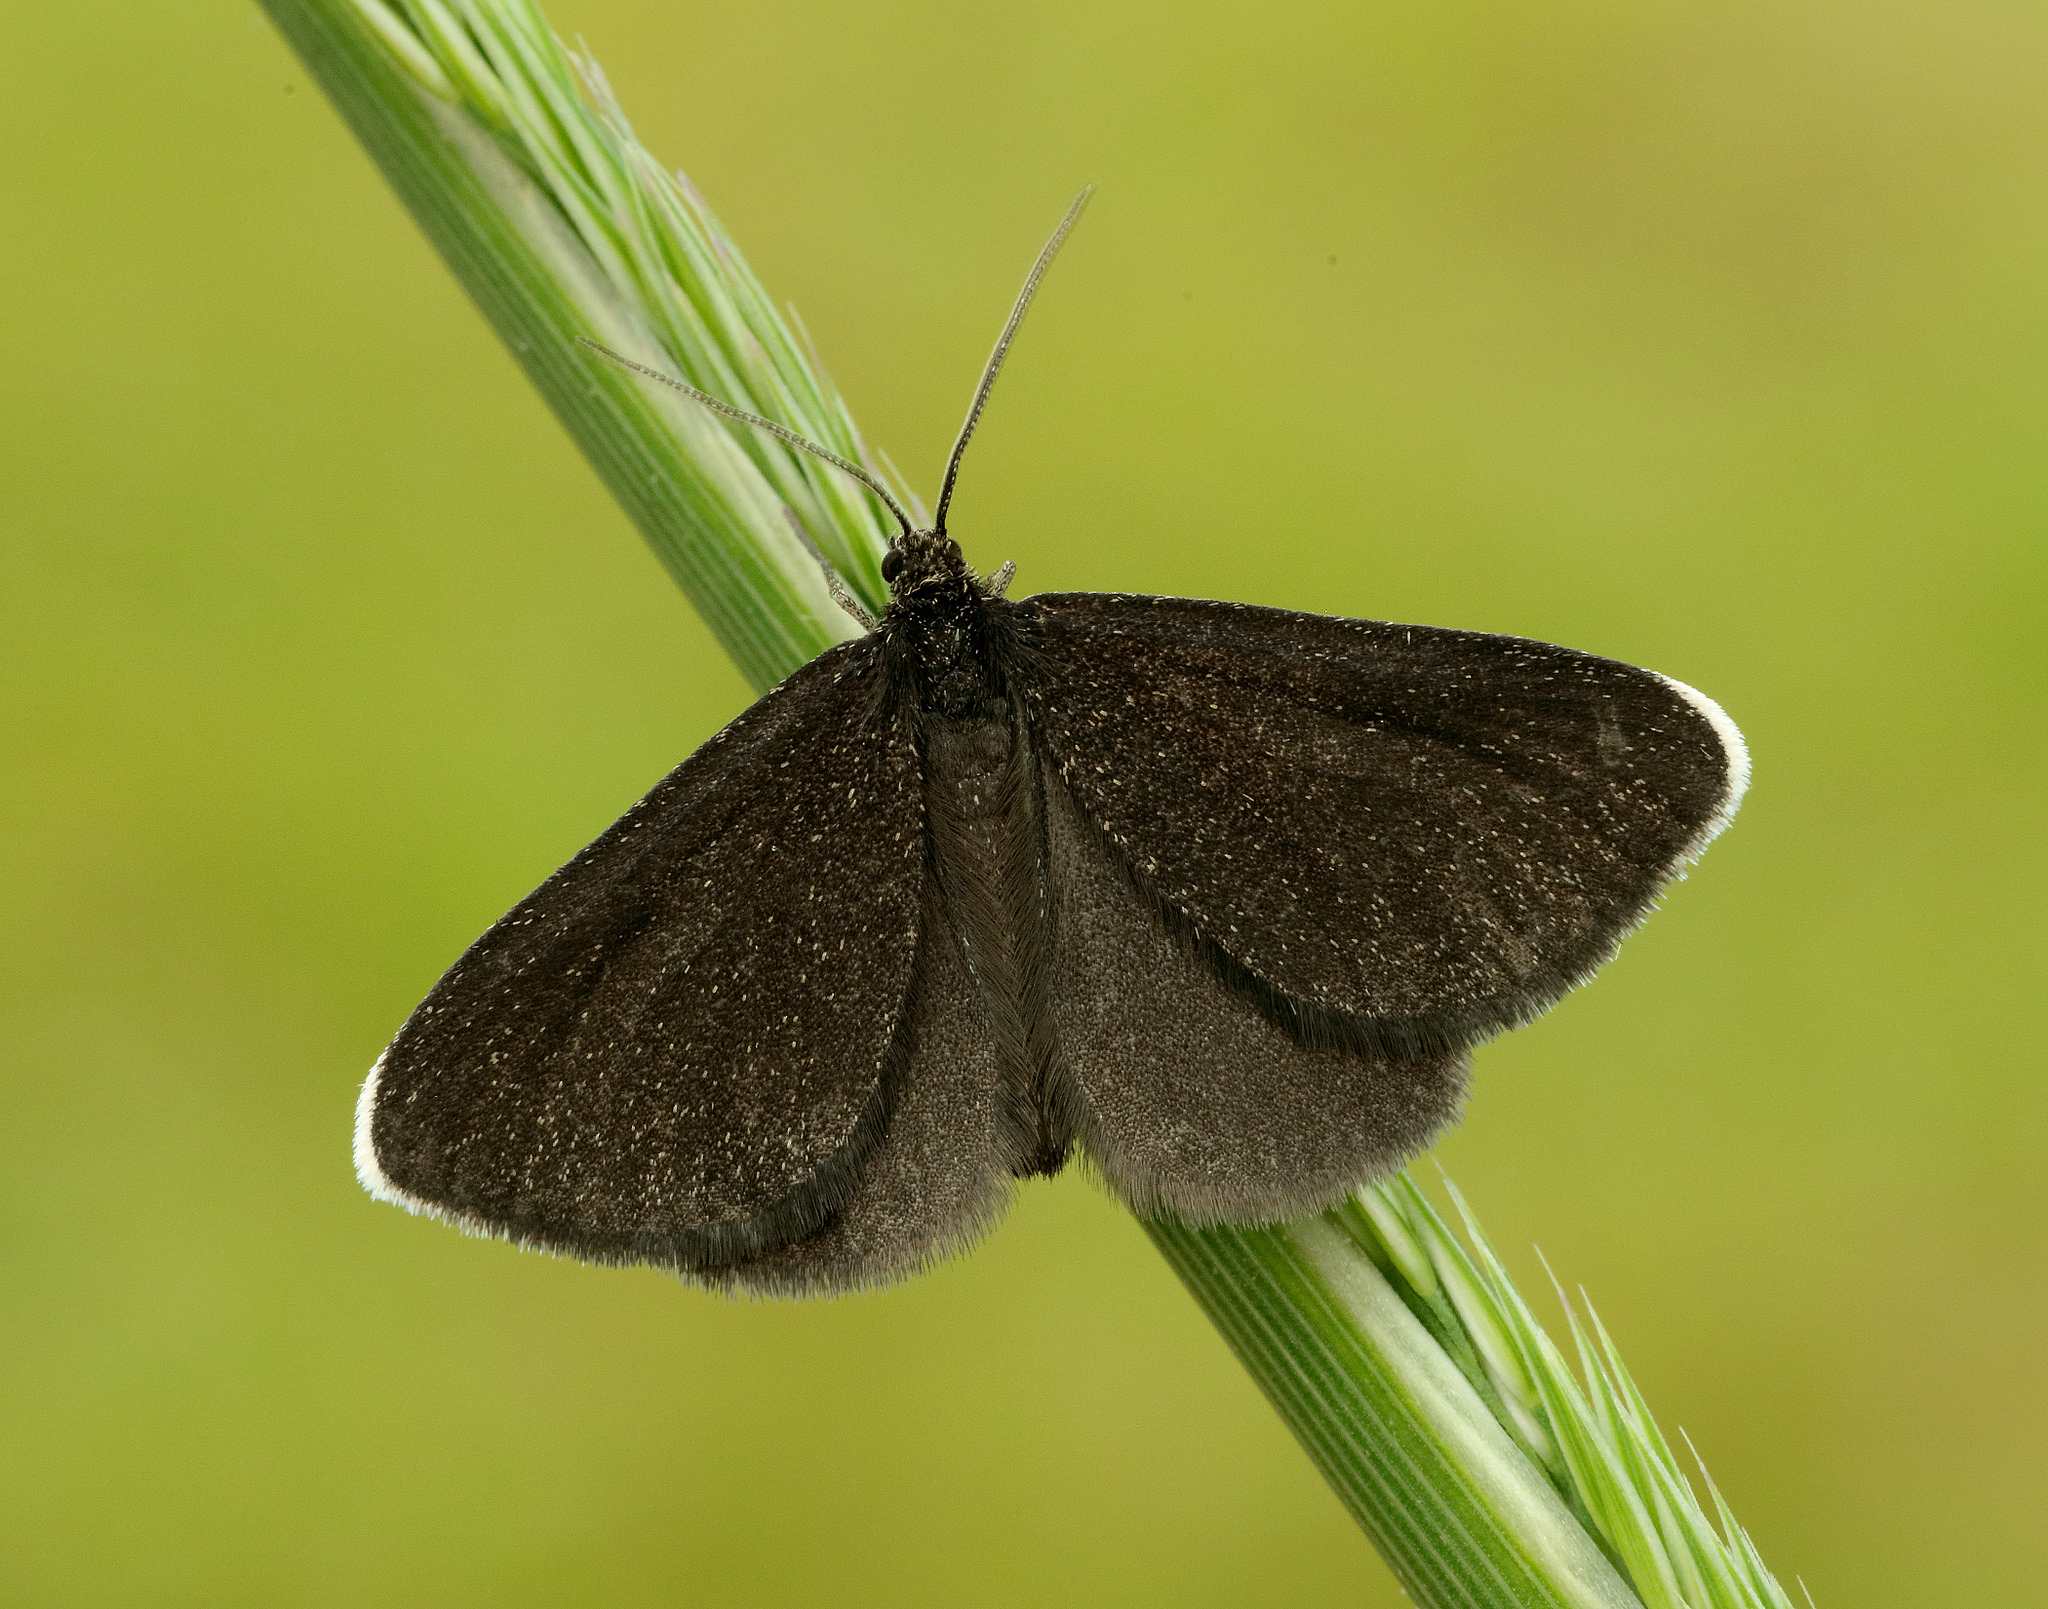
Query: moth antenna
x=998 y=582
x=1002 y=348
x=781 y=432
x=837 y=588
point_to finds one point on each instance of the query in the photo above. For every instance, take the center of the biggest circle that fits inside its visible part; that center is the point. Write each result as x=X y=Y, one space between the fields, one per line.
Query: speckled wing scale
x=1302 y=864
x=1220 y=896
x=1417 y=837
x=682 y=1048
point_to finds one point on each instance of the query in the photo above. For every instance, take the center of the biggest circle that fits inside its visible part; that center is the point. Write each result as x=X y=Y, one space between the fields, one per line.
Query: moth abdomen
x=989 y=863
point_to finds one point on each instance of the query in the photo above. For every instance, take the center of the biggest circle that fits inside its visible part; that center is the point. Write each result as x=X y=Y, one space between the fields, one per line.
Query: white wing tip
x=1736 y=753
x=369 y=1171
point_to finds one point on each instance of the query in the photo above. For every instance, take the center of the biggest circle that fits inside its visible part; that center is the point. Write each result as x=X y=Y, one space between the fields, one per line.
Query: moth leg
x=833 y=585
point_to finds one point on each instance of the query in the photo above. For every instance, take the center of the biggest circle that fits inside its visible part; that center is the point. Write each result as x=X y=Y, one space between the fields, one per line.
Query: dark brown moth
x=1218 y=897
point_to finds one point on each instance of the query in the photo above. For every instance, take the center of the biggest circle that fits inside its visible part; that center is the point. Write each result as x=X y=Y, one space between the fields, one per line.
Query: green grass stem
x=1488 y=1473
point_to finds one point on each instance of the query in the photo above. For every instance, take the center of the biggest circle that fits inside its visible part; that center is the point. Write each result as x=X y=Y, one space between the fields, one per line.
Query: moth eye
x=952 y=550
x=892 y=564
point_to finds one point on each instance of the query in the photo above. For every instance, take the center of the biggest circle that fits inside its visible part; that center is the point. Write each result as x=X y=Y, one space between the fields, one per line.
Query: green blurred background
x=1710 y=338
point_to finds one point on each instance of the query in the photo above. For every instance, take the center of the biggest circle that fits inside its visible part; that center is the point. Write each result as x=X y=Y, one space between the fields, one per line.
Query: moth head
x=920 y=560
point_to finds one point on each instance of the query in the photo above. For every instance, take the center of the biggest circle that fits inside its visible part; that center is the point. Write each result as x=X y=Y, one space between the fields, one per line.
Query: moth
x=1217 y=897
